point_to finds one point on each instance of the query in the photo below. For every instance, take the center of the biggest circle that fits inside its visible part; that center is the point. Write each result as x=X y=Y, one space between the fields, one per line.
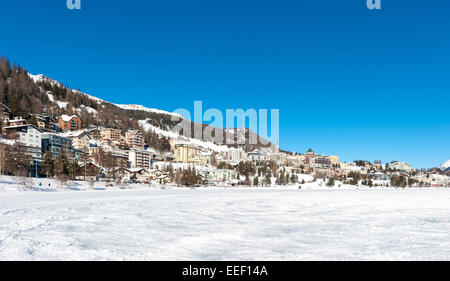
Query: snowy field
x=226 y=224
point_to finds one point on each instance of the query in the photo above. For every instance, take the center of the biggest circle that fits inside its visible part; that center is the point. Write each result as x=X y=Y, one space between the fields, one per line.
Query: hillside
x=26 y=94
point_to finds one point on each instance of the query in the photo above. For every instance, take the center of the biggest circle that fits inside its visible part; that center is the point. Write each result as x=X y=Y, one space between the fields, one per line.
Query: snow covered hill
x=143 y=108
x=161 y=126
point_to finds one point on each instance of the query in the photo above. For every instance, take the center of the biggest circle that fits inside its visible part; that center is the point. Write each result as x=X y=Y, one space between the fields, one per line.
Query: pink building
x=134 y=139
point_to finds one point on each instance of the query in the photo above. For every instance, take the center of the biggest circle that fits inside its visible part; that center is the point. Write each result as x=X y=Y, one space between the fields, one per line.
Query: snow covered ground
x=225 y=224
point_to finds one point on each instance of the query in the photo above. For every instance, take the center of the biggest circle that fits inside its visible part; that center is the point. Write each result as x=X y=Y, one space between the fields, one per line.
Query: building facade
x=236 y=155
x=112 y=134
x=55 y=143
x=69 y=123
x=29 y=136
x=217 y=176
x=187 y=153
x=139 y=159
x=134 y=139
x=44 y=122
x=80 y=140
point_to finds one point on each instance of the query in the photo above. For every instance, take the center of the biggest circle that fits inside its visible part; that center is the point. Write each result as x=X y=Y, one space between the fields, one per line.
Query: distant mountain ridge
x=445 y=166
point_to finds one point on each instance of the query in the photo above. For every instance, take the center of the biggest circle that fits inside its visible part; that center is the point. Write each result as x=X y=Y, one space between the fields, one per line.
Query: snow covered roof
x=24 y=125
x=75 y=134
x=154 y=170
x=134 y=170
x=92 y=163
x=67 y=118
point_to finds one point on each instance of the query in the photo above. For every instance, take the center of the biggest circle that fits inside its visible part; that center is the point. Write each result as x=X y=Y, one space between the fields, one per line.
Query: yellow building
x=334 y=159
x=112 y=134
x=186 y=153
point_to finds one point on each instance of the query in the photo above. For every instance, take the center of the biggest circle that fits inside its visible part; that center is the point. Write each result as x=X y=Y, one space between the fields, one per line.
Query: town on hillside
x=38 y=145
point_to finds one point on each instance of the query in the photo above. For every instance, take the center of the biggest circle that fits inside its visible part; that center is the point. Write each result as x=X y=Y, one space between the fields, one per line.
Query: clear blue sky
x=348 y=81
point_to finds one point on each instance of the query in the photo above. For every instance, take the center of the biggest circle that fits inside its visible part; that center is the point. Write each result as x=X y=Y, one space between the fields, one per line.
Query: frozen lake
x=226 y=224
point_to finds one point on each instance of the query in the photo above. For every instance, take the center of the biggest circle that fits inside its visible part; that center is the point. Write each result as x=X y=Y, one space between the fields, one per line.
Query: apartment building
x=112 y=134
x=44 y=122
x=29 y=136
x=236 y=155
x=80 y=140
x=94 y=133
x=187 y=153
x=119 y=157
x=16 y=121
x=321 y=162
x=69 y=123
x=134 y=139
x=55 y=143
x=309 y=157
x=139 y=159
x=257 y=155
x=216 y=176
x=334 y=159
x=277 y=157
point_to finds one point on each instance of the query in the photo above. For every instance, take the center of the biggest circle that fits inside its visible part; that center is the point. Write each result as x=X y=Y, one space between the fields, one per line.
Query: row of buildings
x=41 y=134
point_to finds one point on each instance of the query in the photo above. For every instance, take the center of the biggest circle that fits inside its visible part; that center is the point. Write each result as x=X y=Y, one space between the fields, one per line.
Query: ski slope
x=226 y=224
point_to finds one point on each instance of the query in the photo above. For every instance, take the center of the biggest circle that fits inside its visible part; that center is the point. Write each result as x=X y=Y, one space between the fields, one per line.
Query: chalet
x=16 y=121
x=163 y=179
x=115 y=173
x=88 y=171
x=44 y=122
x=69 y=123
x=141 y=175
x=138 y=175
x=94 y=133
x=154 y=173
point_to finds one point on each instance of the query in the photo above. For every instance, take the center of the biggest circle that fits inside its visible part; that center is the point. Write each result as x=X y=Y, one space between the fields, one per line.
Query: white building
x=139 y=159
x=278 y=157
x=29 y=136
x=257 y=155
x=235 y=155
x=215 y=176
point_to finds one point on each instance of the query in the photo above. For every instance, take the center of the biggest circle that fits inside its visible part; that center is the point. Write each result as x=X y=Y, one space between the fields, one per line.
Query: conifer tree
x=267 y=179
x=59 y=164
x=48 y=164
x=255 y=181
x=331 y=181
